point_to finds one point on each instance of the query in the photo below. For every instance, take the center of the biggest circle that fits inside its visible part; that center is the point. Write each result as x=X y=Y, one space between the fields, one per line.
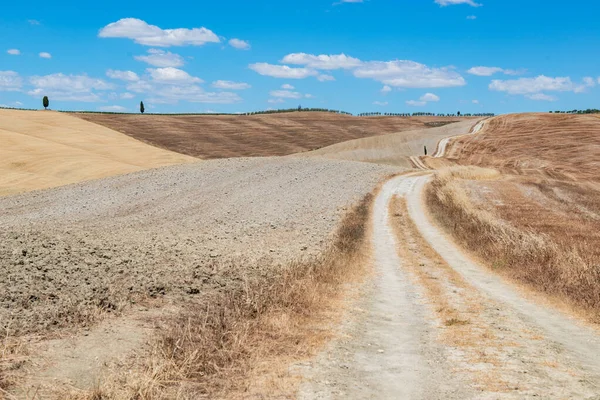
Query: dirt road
x=434 y=324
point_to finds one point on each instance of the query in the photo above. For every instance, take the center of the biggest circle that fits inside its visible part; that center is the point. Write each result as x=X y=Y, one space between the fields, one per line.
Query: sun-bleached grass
x=558 y=268
x=215 y=347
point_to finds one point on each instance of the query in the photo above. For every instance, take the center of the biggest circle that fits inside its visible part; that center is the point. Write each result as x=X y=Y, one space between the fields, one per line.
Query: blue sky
x=236 y=56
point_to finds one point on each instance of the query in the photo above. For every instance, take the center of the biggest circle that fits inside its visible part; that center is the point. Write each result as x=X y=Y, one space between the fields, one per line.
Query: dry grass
x=215 y=347
x=221 y=136
x=523 y=242
x=460 y=309
x=560 y=146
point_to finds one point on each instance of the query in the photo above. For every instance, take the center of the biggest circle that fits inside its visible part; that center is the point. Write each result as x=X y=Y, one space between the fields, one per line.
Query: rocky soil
x=66 y=253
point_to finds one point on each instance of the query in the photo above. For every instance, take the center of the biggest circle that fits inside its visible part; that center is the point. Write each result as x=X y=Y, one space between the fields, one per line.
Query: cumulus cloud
x=489 y=71
x=323 y=61
x=129 y=76
x=276 y=101
x=409 y=74
x=429 y=97
x=230 y=85
x=282 y=71
x=14 y=52
x=423 y=100
x=44 y=54
x=286 y=94
x=380 y=103
x=444 y=3
x=161 y=58
x=126 y=96
x=172 y=94
x=150 y=35
x=171 y=85
x=541 y=97
x=325 y=78
x=112 y=108
x=536 y=85
x=287 y=86
x=484 y=71
x=10 y=81
x=68 y=87
x=588 y=81
x=475 y=101
x=172 y=75
x=471 y=17
x=34 y=22
x=239 y=44
x=386 y=89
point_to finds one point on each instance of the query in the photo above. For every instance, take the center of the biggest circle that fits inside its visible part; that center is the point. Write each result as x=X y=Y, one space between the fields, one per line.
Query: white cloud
x=172 y=75
x=112 y=108
x=150 y=35
x=484 y=71
x=193 y=93
x=588 y=81
x=230 y=85
x=126 y=96
x=323 y=61
x=386 y=89
x=171 y=85
x=276 y=101
x=129 y=76
x=44 y=54
x=286 y=94
x=489 y=71
x=541 y=97
x=10 y=81
x=380 y=103
x=282 y=71
x=34 y=22
x=475 y=101
x=325 y=78
x=427 y=97
x=423 y=100
x=471 y=17
x=14 y=52
x=409 y=74
x=239 y=44
x=444 y=3
x=308 y=96
x=68 y=87
x=161 y=58
x=536 y=85
x=287 y=86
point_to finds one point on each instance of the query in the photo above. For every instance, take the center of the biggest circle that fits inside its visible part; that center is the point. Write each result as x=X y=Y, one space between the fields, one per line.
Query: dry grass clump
x=215 y=344
x=468 y=172
x=564 y=268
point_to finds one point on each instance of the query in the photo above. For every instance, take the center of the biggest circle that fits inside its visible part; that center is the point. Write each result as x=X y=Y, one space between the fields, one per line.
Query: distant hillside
x=557 y=145
x=43 y=149
x=221 y=136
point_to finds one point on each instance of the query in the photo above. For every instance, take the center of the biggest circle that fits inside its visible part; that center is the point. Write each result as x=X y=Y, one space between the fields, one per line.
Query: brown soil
x=221 y=136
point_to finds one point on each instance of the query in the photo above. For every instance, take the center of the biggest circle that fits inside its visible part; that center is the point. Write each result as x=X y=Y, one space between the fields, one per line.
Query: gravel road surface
x=66 y=251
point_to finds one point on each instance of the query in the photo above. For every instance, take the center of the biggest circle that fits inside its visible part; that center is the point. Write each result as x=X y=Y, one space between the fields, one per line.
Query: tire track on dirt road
x=399 y=342
x=389 y=350
x=580 y=342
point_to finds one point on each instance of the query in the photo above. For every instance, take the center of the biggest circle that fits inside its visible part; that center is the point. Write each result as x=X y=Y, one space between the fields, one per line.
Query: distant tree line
x=424 y=114
x=588 y=111
x=288 y=110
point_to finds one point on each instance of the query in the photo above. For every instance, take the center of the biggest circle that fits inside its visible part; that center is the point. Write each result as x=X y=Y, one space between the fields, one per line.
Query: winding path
x=398 y=341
